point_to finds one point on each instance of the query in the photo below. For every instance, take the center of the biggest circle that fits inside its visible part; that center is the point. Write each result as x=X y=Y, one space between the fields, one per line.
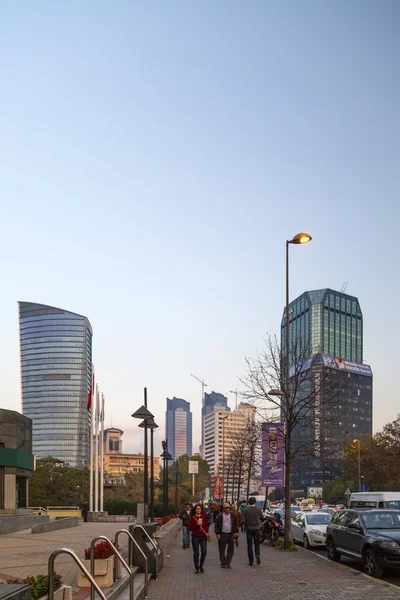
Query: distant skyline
x=154 y=159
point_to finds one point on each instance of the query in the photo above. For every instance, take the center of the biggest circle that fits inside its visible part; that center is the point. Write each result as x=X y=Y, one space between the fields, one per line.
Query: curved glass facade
x=56 y=372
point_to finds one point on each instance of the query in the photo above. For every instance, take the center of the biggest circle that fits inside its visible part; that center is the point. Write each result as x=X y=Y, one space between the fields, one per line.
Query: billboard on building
x=273 y=468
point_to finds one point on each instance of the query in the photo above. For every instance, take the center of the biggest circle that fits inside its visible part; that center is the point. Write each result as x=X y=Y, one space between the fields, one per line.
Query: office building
x=56 y=372
x=16 y=465
x=178 y=427
x=211 y=402
x=326 y=339
x=325 y=322
x=221 y=428
x=117 y=464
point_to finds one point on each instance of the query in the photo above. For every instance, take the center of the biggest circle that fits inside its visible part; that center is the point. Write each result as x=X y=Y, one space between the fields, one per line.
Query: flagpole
x=96 y=461
x=91 y=442
x=102 y=454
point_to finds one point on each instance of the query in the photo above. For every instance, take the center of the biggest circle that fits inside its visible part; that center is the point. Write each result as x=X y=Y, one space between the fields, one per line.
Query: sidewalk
x=287 y=576
x=23 y=553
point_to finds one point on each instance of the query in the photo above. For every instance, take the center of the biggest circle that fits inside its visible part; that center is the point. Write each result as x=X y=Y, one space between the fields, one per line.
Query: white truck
x=371 y=500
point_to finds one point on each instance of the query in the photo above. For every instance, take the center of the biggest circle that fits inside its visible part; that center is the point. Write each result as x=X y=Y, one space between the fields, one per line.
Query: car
x=310 y=528
x=369 y=536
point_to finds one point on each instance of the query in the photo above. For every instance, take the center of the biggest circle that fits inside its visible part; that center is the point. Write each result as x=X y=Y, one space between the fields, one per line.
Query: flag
x=97 y=413
x=102 y=414
x=90 y=394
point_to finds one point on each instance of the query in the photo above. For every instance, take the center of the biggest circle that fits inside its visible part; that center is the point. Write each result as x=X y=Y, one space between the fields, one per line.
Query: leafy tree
x=55 y=483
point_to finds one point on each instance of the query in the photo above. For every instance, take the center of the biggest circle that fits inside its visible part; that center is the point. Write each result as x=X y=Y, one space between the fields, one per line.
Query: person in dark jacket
x=184 y=515
x=253 y=516
x=198 y=525
x=227 y=530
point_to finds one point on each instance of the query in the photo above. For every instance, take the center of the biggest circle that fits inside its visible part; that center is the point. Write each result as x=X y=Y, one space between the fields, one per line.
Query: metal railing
x=146 y=566
x=37 y=509
x=119 y=556
x=153 y=544
x=50 y=572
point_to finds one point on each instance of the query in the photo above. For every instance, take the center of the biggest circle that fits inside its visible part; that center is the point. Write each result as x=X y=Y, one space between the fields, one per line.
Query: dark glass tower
x=326 y=322
x=178 y=425
x=56 y=372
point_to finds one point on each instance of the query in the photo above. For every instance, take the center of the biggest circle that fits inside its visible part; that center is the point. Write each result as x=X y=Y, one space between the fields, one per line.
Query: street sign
x=193 y=467
x=347 y=492
x=364 y=487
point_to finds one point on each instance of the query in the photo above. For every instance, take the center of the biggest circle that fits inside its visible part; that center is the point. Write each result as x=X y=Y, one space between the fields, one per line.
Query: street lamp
x=144 y=413
x=152 y=425
x=223 y=455
x=359 y=464
x=166 y=457
x=300 y=238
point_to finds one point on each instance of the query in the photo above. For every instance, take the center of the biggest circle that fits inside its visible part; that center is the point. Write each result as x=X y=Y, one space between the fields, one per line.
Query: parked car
x=310 y=528
x=369 y=536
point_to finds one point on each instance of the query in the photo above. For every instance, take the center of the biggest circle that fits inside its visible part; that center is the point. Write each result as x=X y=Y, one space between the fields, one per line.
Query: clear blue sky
x=154 y=158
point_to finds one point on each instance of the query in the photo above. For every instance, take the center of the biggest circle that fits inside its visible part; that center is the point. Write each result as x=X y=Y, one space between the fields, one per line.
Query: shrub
x=281 y=546
x=101 y=550
x=119 y=507
x=39 y=584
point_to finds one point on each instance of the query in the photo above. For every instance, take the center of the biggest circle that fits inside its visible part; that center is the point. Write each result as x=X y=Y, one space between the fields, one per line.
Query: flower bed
x=39 y=584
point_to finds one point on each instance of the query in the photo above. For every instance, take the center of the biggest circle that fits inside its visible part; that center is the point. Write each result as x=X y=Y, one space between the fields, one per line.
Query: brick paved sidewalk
x=287 y=576
x=23 y=553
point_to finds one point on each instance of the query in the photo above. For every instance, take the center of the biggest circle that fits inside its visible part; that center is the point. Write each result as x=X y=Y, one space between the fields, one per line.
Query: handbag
x=206 y=534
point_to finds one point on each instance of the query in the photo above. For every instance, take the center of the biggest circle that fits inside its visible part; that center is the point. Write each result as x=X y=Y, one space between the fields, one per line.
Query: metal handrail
x=50 y=572
x=153 y=543
x=118 y=555
x=146 y=565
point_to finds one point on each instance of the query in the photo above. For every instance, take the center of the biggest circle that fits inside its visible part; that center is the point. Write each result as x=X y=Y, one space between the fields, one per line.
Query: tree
x=55 y=483
x=313 y=389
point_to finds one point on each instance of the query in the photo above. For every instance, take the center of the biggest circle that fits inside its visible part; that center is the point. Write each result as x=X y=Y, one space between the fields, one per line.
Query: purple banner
x=273 y=471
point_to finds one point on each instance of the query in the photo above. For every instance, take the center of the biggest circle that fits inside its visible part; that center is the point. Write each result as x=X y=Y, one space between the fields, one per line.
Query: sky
x=154 y=159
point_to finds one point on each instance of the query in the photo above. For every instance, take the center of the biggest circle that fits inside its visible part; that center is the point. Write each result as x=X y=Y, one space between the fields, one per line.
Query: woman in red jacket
x=198 y=525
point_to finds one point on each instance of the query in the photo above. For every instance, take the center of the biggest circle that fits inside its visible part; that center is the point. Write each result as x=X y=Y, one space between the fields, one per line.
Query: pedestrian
x=215 y=511
x=253 y=516
x=198 y=525
x=184 y=515
x=208 y=511
x=242 y=507
x=227 y=530
x=85 y=510
x=238 y=518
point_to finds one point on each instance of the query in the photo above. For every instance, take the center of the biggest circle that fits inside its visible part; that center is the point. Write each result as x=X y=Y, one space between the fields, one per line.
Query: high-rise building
x=325 y=322
x=56 y=373
x=211 y=402
x=326 y=338
x=220 y=429
x=178 y=426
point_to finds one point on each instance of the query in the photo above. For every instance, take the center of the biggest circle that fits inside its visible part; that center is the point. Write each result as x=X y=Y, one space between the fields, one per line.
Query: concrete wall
x=9 y=491
x=13 y=523
x=55 y=525
x=165 y=537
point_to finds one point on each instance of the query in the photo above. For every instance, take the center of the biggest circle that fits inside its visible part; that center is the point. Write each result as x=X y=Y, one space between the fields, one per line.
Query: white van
x=370 y=500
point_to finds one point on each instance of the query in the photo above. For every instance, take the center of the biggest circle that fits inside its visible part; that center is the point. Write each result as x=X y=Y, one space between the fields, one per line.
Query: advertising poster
x=273 y=471
x=217 y=487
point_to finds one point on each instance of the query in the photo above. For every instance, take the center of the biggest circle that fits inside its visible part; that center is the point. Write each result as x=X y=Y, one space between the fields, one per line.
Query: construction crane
x=344 y=286
x=203 y=386
x=236 y=396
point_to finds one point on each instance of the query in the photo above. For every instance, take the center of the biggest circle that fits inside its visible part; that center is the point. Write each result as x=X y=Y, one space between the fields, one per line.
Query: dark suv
x=370 y=536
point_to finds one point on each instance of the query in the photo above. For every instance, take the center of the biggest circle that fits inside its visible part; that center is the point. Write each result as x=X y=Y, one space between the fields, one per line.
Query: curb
x=380 y=581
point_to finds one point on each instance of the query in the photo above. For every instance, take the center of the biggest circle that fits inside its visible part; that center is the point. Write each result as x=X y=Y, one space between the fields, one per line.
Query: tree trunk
x=233 y=483
x=266 y=498
x=239 y=477
x=249 y=475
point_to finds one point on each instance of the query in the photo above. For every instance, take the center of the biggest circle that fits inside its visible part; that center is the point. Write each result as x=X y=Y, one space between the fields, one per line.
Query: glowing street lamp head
x=301 y=238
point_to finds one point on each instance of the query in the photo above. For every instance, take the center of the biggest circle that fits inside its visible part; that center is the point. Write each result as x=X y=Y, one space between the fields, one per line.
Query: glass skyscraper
x=325 y=322
x=56 y=373
x=178 y=425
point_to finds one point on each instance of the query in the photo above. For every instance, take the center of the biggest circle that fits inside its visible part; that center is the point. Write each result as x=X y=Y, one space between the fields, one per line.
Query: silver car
x=310 y=528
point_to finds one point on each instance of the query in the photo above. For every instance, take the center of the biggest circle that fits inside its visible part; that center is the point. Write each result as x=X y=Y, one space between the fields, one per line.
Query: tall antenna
x=344 y=286
x=236 y=395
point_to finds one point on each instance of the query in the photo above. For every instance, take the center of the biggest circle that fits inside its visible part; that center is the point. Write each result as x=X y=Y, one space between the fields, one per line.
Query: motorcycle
x=269 y=530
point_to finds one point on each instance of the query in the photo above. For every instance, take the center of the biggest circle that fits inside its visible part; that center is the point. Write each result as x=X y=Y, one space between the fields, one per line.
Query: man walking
x=242 y=508
x=185 y=517
x=253 y=516
x=227 y=531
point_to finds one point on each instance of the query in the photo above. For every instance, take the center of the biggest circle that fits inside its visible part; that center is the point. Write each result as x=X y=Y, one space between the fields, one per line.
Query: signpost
x=193 y=470
x=348 y=494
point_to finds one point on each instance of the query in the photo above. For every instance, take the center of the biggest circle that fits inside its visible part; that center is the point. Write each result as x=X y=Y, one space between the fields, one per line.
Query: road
x=390 y=576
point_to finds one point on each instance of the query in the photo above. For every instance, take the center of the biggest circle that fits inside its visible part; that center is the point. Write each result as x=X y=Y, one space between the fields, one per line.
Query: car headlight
x=316 y=532
x=388 y=544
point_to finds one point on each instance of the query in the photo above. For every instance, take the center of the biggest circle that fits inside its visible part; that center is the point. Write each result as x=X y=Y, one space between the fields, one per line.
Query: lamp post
x=359 y=464
x=300 y=238
x=152 y=425
x=144 y=413
x=166 y=457
x=223 y=456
